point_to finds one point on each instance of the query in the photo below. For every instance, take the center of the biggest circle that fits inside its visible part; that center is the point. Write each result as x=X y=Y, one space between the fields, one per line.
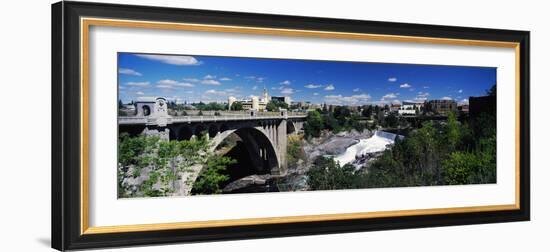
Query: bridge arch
x=200 y=129
x=223 y=128
x=185 y=133
x=146 y=110
x=290 y=127
x=212 y=130
x=260 y=148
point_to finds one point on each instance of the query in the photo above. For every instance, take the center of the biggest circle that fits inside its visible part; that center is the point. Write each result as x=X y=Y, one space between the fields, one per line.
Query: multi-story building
x=442 y=107
x=482 y=104
x=257 y=103
x=395 y=107
x=410 y=108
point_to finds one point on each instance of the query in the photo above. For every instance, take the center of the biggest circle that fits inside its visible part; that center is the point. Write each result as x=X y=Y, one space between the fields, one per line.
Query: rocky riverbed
x=328 y=144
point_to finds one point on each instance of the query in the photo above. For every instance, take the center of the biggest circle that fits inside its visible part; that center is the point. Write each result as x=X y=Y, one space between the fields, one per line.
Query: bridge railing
x=210 y=117
x=234 y=113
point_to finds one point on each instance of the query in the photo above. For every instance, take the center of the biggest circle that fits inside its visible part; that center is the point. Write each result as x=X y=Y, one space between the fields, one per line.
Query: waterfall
x=377 y=143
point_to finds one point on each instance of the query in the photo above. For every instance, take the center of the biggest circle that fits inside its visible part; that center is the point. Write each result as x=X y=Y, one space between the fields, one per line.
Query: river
x=344 y=147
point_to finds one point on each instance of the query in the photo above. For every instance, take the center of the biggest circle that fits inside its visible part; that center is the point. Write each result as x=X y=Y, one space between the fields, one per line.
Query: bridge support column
x=280 y=141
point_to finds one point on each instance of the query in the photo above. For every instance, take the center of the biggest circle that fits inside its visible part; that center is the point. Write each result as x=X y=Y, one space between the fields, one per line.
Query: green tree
x=413 y=161
x=130 y=149
x=313 y=124
x=380 y=117
x=212 y=176
x=452 y=131
x=213 y=106
x=355 y=123
x=236 y=106
x=367 y=111
x=463 y=168
x=295 y=150
x=391 y=120
x=330 y=123
x=326 y=174
x=271 y=106
x=492 y=91
x=276 y=105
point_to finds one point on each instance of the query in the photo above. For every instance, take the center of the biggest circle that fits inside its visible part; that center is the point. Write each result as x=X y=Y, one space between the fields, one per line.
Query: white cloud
x=210 y=82
x=287 y=91
x=225 y=79
x=329 y=87
x=184 y=84
x=425 y=87
x=392 y=79
x=286 y=83
x=216 y=92
x=208 y=76
x=420 y=97
x=312 y=86
x=464 y=101
x=356 y=90
x=129 y=71
x=167 y=83
x=172 y=59
x=254 y=87
x=446 y=98
x=255 y=78
x=423 y=94
x=138 y=84
x=191 y=79
x=460 y=91
x=140 y=93
x=164 y=86
x=405 y=85
x=389 y=96
x=315 y=94
x=347 y=100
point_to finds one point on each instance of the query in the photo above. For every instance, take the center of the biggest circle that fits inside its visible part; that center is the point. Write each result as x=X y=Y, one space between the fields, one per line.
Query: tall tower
x=266 y=96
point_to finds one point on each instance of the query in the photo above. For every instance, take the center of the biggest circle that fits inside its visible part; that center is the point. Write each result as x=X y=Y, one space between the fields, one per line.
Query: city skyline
x=187 y=78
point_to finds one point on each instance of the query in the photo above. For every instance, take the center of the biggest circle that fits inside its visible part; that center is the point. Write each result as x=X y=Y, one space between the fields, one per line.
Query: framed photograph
x=180 y=125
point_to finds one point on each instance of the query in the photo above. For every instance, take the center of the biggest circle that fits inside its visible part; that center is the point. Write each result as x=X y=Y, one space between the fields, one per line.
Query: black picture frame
x=66 y=114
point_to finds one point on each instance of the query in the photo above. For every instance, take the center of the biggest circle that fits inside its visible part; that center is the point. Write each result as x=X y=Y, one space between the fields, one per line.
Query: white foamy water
x=378 y=142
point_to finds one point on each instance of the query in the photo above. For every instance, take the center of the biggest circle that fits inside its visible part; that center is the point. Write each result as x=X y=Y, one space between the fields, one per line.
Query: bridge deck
x=127 y=120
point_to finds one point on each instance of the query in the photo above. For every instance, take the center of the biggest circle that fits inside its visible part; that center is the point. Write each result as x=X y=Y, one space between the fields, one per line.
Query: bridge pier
x=281 y=139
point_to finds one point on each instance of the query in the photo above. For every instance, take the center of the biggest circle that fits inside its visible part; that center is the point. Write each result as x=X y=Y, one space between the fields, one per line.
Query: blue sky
x=212 y=78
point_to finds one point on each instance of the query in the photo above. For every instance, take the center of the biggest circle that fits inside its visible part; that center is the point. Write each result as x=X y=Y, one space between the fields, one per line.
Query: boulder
x=252 y=183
